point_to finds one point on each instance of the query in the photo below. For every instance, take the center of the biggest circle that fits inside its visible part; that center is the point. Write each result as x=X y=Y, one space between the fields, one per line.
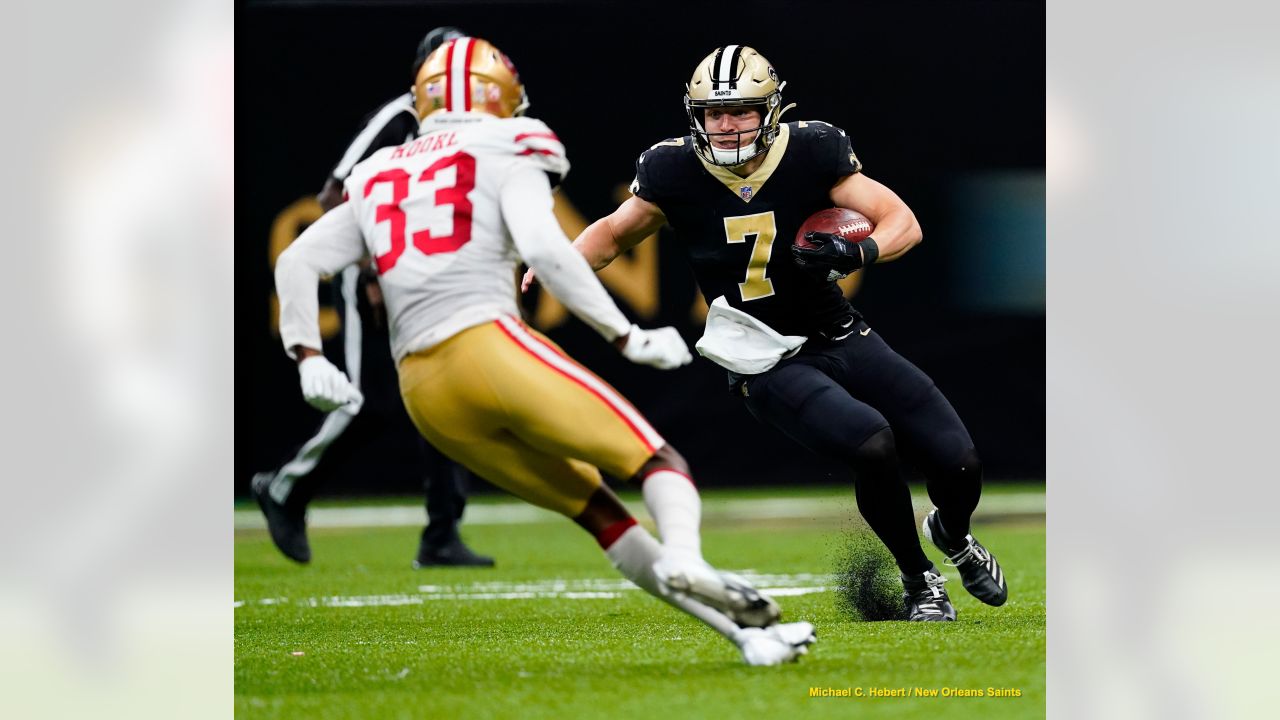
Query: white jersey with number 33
x=430 y=214
x=446 y=219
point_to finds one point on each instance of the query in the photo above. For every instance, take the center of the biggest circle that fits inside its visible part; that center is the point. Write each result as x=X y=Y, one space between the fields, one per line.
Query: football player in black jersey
x=800 y=357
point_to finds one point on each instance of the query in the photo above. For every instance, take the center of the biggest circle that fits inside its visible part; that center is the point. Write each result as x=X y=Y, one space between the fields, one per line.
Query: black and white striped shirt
x=392 y=124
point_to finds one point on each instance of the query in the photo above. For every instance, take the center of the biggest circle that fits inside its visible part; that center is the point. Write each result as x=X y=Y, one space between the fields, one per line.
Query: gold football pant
x=513 y=408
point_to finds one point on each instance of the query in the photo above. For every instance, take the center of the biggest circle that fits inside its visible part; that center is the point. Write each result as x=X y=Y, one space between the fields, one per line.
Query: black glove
x=834 y=255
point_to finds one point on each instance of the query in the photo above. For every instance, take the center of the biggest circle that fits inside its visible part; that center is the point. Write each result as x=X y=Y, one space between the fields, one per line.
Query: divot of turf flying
x=868 y=587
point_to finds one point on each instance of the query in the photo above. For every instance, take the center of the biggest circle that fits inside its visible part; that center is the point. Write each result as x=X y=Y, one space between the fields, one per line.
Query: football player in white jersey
x=447 y=218
x=284 y=492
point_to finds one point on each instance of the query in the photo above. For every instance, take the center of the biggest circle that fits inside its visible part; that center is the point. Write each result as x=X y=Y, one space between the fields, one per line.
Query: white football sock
x=634 y=554
x=676 y=507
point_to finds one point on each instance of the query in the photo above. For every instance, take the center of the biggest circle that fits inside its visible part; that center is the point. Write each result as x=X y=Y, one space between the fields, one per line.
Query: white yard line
x=582 y=589
x=518 y=513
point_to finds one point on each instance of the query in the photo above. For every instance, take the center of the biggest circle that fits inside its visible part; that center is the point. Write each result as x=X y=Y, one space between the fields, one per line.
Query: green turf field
x=552 y=632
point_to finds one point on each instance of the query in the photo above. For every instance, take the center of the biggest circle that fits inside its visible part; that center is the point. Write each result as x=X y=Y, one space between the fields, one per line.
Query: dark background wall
x=944 y=102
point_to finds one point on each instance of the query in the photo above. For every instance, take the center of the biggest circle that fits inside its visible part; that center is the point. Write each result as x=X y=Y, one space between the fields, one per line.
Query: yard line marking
x=781 y=585
x=792 y=592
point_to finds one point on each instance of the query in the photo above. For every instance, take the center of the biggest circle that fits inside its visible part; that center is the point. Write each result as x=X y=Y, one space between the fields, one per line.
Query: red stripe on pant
x=635 y=430
x=610 y=535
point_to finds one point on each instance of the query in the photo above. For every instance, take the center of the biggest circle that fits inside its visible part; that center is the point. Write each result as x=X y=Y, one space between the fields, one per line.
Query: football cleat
x=454 y=554
x=925 y=599
x=726 y=592
x=776 y=644
x=979 y=571
x=288 y=525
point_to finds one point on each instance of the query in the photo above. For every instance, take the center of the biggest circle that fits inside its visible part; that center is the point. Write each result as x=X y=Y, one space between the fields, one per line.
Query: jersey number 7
x=455 y=195
x=759 y=230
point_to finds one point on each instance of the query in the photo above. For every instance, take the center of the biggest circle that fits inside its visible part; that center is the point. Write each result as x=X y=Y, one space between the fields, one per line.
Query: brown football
x=848 y=224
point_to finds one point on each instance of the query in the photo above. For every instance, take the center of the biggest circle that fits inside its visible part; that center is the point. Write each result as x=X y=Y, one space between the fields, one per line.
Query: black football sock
x=885 y=501
x=955 y=489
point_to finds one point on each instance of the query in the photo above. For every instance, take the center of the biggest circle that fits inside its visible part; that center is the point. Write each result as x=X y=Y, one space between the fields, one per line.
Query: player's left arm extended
x=327 y=246
x=610 y=236
x=897 y=230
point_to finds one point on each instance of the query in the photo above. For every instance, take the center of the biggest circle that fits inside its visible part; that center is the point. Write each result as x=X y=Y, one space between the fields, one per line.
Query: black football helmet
x=431 y=41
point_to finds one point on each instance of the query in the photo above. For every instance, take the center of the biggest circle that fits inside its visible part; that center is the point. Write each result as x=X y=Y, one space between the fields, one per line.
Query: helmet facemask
x=764 y=133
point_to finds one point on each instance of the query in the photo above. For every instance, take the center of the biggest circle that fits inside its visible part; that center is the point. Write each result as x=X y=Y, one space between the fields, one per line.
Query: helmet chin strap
x=726 y=156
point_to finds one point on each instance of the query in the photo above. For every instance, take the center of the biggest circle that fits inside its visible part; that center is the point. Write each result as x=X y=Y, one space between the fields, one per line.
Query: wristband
x=870 y=251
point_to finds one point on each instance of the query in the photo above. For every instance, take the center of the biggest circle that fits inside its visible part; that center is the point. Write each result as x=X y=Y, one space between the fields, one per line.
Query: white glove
x=662 y=348
x=326 y=387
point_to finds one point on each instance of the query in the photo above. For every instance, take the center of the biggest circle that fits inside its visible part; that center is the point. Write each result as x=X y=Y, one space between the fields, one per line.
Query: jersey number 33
x=455 y=195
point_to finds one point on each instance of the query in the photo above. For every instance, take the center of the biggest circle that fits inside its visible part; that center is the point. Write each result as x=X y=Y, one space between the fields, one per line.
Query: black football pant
x=858 y=401
x=446 y=483
x=446 y=492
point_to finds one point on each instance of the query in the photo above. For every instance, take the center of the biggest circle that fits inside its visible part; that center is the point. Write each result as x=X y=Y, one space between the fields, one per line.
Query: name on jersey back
x=425 y=144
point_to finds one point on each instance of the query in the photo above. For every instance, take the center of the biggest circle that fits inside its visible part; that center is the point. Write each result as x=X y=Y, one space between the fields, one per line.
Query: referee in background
x=282 y=499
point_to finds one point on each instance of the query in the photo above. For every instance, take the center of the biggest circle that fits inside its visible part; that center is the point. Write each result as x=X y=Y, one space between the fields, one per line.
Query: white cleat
x=795 y=633
x=775 y=644
x=726 y=592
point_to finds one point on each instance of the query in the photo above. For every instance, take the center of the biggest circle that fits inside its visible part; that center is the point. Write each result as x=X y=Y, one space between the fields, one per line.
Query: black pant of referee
x=285 y=492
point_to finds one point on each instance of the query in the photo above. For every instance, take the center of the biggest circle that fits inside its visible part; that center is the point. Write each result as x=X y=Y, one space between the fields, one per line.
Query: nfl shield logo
x=746 y=192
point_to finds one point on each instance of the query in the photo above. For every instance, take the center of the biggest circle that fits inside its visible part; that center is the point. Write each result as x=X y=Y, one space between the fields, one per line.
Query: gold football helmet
x=469 y=75
x=733 y=76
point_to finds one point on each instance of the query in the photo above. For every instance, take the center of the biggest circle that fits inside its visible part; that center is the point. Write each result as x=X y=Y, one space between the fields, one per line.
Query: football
x=848 y=224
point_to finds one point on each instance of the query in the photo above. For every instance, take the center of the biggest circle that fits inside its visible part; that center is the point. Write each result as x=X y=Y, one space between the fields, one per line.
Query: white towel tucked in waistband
x=735 y=340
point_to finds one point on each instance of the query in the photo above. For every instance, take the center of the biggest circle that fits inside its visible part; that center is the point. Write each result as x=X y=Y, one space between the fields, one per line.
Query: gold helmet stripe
x=458 y=81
